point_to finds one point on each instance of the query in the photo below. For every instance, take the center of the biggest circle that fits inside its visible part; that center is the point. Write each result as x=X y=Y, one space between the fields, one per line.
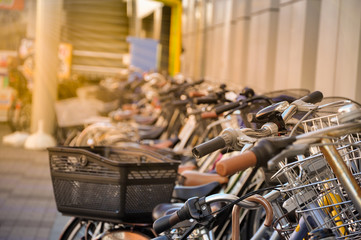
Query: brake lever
x=189 y=231
x=201 y=215
x=304 y=106
x=236 y=138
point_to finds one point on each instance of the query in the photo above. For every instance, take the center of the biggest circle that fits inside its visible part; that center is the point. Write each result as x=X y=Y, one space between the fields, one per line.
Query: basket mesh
x=80 y=165
x=315 y=124
x=85 y=195
x=151 y=174
x=314 y=191
x=154 y=193
x=109 y=184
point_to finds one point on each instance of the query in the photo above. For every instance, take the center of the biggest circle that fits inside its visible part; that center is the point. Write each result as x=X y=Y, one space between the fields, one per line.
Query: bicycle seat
x=146 y=120
x=185 y=192
x=186 y=167
x=151 y=133
x=165 y=208
x=194 y=178
x=161 y=144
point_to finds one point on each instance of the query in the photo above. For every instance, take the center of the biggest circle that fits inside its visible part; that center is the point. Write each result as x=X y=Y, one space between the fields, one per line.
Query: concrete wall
x=339 y=50
x=275 y=44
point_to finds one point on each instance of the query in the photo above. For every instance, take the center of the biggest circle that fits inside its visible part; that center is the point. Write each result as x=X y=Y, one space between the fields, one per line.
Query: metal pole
x=342 y=172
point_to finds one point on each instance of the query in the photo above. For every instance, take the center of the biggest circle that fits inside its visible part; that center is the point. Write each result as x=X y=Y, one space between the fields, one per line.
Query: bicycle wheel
x=80 y=229
x=77 y=229
x=12 y=114
x=25 y=117
x=125 y=235
x=19 y=114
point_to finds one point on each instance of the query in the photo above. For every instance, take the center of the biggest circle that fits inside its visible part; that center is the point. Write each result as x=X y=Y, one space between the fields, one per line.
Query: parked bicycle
x=19 y=112
x=319 y=192
x=92 y=226
x=242 y=139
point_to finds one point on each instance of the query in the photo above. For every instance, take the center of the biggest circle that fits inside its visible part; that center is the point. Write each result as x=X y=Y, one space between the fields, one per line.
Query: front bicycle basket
x=312 y=188
x=114 y=184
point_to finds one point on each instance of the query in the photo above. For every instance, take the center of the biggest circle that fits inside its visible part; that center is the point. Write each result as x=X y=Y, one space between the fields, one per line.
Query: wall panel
x=262 y=43
x=339 y=49
x=348 y=51
x=327 y=51
x=277 y=44
x=239 y=42
x=297 y=42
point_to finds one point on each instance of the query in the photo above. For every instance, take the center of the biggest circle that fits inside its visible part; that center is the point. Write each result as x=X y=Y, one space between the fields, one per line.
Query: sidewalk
x=27 y=206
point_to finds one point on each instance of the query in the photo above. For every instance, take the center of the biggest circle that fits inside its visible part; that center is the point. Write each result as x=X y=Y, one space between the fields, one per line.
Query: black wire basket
x=112 y=184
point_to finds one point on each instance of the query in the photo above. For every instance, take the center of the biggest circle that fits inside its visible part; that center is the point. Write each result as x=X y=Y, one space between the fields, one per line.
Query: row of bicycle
x=190 y=161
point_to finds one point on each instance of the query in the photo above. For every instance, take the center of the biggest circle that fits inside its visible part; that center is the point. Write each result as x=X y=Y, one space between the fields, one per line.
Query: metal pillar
x=175 y=35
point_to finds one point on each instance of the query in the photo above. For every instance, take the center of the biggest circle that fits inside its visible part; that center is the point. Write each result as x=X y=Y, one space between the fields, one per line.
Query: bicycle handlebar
x=163 y=237
x=205 y=100
x=180 y=103
x=195 y=94
x=199 y=209
x=226 y=107
x=259 y=155
x=168 y=221
x=205 y=115
x=181 y=87
x=240 y=104
x=209 y=146
x=313 y=97
x=229 y=139
x=237 y=163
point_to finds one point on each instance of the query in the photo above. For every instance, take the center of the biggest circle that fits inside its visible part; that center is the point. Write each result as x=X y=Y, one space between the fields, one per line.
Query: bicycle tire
x=73 y=229
x=19 y=117
x=11 y=116
x=77 y=228
x=25 y=117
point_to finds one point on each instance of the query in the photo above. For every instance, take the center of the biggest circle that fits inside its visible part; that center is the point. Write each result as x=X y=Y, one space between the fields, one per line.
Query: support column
x=48 y=19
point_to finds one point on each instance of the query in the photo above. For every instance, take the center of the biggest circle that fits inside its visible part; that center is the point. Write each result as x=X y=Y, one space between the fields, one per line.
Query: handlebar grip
x=200 y=81
x=163 y=237
x=205 y=100
x=313 y=97
x=165 y=98
x=226 y=107
x=169 y=91
x=187 y=85
x=166 y=222
x=237 y=163
x=208 y=147
x=179 y=103
x=205 y=115
x=195 y=94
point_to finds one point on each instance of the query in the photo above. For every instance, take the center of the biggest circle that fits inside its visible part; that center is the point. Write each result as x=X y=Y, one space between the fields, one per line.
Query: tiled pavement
x=27 y=206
